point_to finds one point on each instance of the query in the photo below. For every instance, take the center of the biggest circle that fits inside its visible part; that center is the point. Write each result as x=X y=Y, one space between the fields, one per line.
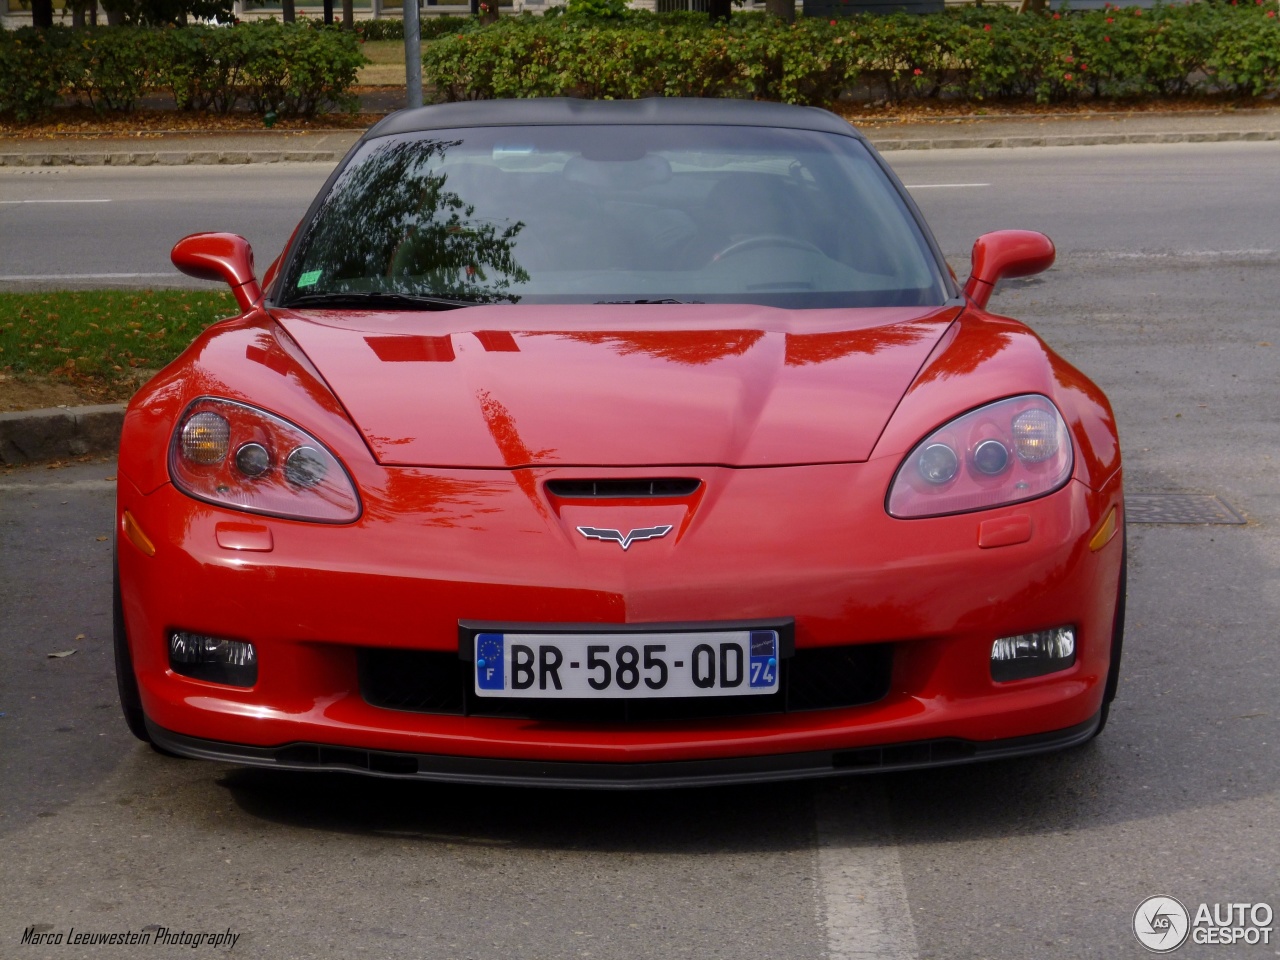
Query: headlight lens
x=1005 y=452
x=238 y=456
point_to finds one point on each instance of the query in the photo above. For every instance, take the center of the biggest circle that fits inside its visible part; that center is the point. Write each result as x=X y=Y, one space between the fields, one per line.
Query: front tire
x=126 y=679
x=1117 y=639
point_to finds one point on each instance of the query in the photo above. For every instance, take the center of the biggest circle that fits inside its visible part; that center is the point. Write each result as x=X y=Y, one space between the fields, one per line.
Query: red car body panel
x=436 y=545
x=454 y=427
x=621 y=385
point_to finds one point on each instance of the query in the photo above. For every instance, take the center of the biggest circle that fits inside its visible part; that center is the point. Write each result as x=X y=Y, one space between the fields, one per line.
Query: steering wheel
x=767 y=240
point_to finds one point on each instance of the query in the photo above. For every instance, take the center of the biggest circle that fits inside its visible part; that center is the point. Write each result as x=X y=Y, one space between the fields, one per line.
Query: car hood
x=619 y=385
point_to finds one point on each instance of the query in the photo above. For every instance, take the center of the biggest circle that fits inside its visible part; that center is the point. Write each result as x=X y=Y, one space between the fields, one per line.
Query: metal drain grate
x=1178 y=508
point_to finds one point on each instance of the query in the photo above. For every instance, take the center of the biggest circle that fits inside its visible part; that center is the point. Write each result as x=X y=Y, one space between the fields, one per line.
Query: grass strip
x=103 y=341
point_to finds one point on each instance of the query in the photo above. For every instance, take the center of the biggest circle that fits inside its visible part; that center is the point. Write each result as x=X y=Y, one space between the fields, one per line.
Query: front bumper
x=436 y=548
x=612 y=776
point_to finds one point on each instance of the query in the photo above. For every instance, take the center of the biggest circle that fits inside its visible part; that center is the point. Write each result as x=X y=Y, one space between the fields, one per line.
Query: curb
x=147 y=158
x=28 y=436
x=1071 y=140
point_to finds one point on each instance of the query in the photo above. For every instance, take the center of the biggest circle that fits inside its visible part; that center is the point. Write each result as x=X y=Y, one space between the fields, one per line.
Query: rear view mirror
x=220 y=256
x=1006 y=253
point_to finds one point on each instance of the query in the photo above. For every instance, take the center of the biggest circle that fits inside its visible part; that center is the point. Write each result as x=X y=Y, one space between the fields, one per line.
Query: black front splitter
x=620 y=776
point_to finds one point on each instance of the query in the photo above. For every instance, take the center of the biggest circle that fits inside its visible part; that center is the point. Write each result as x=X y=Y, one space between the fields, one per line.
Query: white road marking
x=1243 y=254
x=942 y=186
x=2 y=202
x=868 y=916
x=59 y=484
x=37 y=277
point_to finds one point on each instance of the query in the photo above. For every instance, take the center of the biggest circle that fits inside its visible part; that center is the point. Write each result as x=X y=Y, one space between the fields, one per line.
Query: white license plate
x=616 y=666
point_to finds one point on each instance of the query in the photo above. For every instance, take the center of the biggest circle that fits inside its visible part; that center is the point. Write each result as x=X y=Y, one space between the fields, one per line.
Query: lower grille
x=816 y=679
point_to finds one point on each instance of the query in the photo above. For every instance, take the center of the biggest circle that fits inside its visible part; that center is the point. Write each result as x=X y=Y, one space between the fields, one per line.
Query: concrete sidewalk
x=1032 y=130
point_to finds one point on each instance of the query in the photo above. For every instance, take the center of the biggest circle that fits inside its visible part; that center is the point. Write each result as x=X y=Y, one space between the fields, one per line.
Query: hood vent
x=667 y=488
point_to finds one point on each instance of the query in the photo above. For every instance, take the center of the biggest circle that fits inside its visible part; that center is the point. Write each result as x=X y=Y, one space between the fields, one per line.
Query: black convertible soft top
x=656 y=110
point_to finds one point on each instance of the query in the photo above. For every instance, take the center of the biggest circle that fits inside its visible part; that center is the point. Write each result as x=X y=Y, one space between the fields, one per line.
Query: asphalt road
x=1164 y=294
x=94 y=227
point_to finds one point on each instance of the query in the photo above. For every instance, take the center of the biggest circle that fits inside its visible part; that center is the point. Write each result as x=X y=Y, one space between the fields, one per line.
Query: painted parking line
x=942 y=186
x=864 y=896
x=4 y=202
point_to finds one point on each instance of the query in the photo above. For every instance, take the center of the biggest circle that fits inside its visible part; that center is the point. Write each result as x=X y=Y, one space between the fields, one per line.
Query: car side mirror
x=1006 y=253
x=220 y=256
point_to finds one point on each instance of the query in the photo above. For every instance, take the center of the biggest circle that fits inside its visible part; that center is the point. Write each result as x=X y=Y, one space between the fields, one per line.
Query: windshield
x=626 y=213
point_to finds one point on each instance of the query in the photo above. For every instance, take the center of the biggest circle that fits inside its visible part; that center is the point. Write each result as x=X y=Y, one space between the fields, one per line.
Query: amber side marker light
x=1105 y=532
x=136 y=536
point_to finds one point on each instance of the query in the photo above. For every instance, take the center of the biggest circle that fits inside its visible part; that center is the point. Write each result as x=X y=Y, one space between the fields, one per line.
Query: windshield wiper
x=663 y=300
x=357 y=298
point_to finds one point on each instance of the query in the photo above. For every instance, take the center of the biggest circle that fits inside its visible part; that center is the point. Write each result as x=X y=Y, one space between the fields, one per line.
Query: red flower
x=1271 y=14
x=917 y=71
x=1111 y=20
x=1069 y=58
x=1106 y=39
x=1057 y=16
x=833 y=23
x=1066 y=76
x=986 y=26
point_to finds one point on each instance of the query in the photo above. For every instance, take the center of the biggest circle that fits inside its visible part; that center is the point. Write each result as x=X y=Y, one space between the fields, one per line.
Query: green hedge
x=975 y=53
x=292 y=69
x=428 y=27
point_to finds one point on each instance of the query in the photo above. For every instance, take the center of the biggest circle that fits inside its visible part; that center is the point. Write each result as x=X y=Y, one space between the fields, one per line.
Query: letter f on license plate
x=490 y=661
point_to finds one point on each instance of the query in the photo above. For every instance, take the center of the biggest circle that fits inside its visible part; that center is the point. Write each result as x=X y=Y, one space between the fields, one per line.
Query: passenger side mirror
x=220 y=256
x=1006 y=253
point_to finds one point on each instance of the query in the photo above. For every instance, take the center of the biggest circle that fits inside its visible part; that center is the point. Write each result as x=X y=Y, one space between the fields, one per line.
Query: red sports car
x=616 y=444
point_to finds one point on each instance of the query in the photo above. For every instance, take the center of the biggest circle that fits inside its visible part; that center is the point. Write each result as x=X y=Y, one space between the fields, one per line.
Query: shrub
x=35 y=66
x=976 y=52
x=296 y=70
x=204 y=67
x=114 y=68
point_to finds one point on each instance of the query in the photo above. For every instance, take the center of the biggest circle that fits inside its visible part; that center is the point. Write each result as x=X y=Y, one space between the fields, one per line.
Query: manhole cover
x=1178 y=508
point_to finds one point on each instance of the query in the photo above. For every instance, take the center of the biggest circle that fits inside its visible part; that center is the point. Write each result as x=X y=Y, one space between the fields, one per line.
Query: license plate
x=617 y=666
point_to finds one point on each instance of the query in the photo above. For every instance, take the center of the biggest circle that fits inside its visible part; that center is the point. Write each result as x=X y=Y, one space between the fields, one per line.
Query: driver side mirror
x=1006 y=253
x=220 y=256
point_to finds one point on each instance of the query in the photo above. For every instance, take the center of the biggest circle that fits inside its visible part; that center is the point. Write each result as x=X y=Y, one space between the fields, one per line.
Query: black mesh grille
x=820 y=679
x=619 y=489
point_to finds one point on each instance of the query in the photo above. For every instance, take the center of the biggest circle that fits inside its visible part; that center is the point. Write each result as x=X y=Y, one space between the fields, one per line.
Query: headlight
x=1005 y=452
x=238 y=456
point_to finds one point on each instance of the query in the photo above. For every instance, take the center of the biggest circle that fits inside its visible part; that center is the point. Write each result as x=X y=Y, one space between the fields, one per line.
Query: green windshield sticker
x=309 y=278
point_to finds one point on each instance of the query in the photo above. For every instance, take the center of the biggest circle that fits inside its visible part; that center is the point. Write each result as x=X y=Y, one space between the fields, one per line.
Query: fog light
x=1033 y=654
x=195 y=655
